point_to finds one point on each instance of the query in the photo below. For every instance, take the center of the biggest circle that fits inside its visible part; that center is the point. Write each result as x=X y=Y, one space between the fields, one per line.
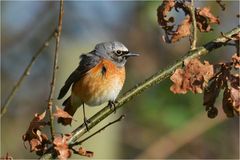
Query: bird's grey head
x=114 y=51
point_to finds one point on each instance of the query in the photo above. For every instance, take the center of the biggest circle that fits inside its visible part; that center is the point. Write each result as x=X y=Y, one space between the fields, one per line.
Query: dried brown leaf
x=162 y=12
x=205 y=12
x=83 y=152
x=163 y=21
x=63 y=116
x=36 y=139
x=179 y=82
x=194 y=77
x=204 y=18
x=61 y=146
x=227 y=103
x=61 y=113
x=6 y=157
x=236 y=61
x=183 y=30
x=211 y=93
x=235 y=96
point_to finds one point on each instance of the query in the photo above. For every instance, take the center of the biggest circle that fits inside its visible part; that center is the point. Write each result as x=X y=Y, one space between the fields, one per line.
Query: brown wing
x=87 y=62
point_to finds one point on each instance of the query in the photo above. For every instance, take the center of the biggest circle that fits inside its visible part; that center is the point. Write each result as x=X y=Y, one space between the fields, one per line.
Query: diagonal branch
x=153 y=80
x=25 y=74
x=55 y=67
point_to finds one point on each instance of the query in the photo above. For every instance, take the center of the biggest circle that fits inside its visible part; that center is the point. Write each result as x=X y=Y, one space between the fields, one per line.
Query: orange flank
x=100 y=84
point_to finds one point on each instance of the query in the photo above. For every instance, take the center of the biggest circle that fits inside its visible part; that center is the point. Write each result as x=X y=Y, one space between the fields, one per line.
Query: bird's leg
x=112 y=106
x=86 y=121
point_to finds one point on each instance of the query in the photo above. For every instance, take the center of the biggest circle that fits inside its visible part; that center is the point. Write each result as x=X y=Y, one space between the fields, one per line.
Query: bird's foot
x=112 y=106
x=86 y=122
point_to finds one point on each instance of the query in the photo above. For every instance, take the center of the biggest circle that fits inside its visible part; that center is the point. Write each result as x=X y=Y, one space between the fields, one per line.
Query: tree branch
x=25 y=73
x=194 y=26
x=55 y=67
x=139 y=88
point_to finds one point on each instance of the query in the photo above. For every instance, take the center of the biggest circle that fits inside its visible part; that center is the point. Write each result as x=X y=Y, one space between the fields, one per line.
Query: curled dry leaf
x=163 y=21
x=236 y=61
x=194 y=77
x=36 y=139
x=227 y=103
x=223 y=79
x=235 y=97
x=61 y=114
x=211 y=93
x=204 y=18
x=205 y=12
x=83 y=152
x=183 y=30
x=162 y=12
x=61 y=146
x=7 y=157
x=235 y=92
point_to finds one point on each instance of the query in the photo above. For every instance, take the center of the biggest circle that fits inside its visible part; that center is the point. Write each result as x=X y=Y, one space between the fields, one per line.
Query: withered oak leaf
x=6 y=157
x=63 y=116
x=227 y=103
x=236 y=61
x=61 y=146
x=204 y=18
x=205 y=12
x=162 y=12
x=83 y=152
x=193 y=77
x=183 y=30
x=36 y=139
x=61 y=113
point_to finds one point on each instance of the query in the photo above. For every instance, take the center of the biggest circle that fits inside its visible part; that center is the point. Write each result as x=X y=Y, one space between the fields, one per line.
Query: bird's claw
x=86 y=122
x=112 y=106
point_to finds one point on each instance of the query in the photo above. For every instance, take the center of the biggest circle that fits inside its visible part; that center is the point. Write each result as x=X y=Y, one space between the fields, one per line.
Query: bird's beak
x=130 y=54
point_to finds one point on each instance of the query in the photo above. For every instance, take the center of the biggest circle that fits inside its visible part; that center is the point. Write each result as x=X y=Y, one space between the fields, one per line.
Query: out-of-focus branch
x=25 y=73
x=194 y=26
x=151 y=81
x=55 y=67
x=170 y=143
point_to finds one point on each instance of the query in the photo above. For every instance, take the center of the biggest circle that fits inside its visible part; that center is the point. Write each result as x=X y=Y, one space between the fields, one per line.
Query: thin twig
x=55 y=67
x=194 y=26
x=25 y=73
x=98 y=131
x=139 y=88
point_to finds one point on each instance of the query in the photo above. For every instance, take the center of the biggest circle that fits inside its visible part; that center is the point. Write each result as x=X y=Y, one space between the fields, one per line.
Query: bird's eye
x=119 y=52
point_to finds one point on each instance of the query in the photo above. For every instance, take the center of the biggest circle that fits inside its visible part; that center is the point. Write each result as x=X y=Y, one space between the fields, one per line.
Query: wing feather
x=87 y=62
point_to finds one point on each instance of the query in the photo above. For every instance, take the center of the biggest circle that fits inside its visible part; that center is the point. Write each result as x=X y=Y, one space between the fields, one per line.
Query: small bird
x=98 y=79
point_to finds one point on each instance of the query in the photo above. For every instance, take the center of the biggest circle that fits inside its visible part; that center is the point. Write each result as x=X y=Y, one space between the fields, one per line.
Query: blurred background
x=158 y=123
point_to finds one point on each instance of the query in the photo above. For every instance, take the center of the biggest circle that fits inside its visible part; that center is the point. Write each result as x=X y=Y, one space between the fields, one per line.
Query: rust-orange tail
x=70 y=110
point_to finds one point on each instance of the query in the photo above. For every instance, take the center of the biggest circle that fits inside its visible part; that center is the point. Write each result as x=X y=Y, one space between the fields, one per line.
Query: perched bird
x=98 y=79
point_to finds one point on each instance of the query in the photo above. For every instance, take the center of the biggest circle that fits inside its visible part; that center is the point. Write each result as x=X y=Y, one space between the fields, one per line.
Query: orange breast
x=100 y=84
